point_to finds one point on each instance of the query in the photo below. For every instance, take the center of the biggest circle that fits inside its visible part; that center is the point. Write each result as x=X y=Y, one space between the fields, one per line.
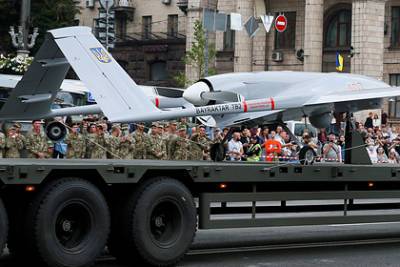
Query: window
x=121 y=28
x=158 y=71
x=172 y=25
x=394 y=102
x=146 y=24
x=395 y=40
x=287 y=39
x=229 y=36
x=338 y=30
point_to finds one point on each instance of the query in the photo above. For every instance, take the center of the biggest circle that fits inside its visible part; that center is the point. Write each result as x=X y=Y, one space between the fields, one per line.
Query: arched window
x=338 y=29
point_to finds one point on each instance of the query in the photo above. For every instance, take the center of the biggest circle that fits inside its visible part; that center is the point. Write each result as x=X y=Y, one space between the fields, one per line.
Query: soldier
x=139 y=140
x=180 y=146
x=50 y=150
x=99 y=144
x=2 y=144
x=114 y=141
x=201 y=144
x=127 y=145
x=13 y=144
x=20 y=137
x=90 y=139
x=155 y=145
x=36 y=141
x=76 y=143
x=170 y=138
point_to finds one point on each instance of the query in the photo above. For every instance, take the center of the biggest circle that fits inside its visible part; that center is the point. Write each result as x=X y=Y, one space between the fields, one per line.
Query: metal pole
x=24 y=20
x=206 y=55
x=107 y=25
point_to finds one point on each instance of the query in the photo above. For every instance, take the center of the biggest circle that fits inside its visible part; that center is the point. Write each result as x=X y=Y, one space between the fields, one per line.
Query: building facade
x=365 y=32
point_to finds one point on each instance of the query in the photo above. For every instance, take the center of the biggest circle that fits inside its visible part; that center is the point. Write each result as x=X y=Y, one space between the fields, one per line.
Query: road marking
x=361 y=224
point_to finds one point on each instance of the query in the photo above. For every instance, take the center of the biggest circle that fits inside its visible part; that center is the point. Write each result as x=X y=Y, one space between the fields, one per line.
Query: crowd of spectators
x=180 y=140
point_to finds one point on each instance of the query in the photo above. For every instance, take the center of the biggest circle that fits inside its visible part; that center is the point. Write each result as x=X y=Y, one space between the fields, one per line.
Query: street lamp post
x=22 y=40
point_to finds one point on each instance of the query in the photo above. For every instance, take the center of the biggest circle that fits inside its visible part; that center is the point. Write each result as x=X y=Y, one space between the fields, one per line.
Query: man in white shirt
x=235 y=148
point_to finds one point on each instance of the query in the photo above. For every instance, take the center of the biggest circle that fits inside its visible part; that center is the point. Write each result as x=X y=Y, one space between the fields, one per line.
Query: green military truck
x=65 y=212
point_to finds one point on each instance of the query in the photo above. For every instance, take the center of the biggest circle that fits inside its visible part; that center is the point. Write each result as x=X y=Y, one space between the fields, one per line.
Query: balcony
x=182 y=5
x=124 y=8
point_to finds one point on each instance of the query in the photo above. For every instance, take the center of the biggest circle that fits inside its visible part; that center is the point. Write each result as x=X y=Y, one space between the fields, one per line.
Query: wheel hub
x=159 y=221
x=67 y=226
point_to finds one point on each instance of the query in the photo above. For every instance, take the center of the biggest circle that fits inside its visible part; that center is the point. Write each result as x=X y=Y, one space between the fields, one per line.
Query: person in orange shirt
x=273 y=148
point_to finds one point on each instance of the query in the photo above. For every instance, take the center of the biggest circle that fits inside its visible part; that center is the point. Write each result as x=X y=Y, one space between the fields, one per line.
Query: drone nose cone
x=193 y=93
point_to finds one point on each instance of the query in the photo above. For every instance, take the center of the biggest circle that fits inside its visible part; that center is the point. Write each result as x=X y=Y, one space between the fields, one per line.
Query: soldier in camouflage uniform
x=155 y=145
x=139 y=140
x=114 y=142
x=200 y=145
x=13 y=144
x=90 y=139
x=99 y=144
x=36 y=142
x=170 y=138
x=180 y=146
x=127 y=146
x=76 y=143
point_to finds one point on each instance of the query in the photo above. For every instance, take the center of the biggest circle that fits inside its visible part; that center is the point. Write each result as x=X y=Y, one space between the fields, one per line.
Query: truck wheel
x=70 y=223
x=307 y=155
x=3 y=226
x=162 y=222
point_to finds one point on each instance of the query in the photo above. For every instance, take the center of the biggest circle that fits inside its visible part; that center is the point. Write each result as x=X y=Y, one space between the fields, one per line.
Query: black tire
x=69 y=223
x=307 y=155
x=3 y=226
x=162 y=222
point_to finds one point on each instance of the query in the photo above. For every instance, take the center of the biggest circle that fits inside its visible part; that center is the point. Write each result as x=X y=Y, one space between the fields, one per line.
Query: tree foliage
x=45 y=14
x=196 y=56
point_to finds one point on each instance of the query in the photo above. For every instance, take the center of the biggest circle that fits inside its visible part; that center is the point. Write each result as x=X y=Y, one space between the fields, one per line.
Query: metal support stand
x=355 y=152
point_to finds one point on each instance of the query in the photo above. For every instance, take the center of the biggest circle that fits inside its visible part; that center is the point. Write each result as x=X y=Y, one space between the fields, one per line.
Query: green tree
x=196 y=56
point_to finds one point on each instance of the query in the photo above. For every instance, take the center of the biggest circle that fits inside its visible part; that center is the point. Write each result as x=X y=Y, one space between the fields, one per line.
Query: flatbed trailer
x=65 y=212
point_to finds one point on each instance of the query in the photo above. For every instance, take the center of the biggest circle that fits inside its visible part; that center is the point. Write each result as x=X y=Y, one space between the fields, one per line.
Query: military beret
x=115 y=126
x=17 y=125
x=182 y=128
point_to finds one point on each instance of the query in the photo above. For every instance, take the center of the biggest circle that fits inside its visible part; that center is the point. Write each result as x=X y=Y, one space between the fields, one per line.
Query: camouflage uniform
x=76 y=146
x=12 y=146
x=36 y=143
x=155 y=147
x=113 y=146
x=127 y=147
x=180 y=146
x=2 y=144
x=199 y=146
x=90 y=139
x=139 y=141
x=99 y=146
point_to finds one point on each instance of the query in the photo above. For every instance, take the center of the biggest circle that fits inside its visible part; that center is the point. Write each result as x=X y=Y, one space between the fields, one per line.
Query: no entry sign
x=281 y=23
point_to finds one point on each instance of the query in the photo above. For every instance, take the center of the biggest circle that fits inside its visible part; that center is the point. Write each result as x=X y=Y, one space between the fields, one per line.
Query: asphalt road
x=290 y=246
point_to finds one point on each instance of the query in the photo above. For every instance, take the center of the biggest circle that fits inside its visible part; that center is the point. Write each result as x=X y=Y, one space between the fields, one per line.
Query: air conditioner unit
x=277 y=56
x=166 y=2
x=90 y=3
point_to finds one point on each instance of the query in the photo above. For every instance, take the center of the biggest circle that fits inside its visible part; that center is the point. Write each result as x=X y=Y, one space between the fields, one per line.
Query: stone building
x=150 y=38
x=365 y=32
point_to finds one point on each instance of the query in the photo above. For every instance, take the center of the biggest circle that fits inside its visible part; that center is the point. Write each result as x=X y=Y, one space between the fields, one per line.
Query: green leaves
x=196 y=56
